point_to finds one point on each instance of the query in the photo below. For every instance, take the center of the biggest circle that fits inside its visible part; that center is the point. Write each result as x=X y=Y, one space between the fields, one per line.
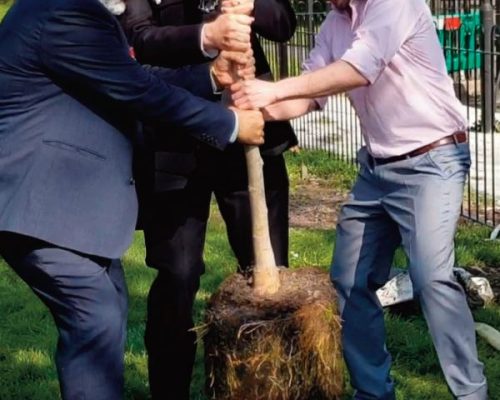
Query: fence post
x=487 y=78
x=283 y=57
x=310 y=16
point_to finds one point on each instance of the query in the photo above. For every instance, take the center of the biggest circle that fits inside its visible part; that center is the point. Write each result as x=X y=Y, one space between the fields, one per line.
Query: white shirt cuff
x=207 y=53
x=236 y=130
x=215 y=88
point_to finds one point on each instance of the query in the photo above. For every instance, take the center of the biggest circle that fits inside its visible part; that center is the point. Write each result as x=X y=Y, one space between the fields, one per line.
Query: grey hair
x=117 y=7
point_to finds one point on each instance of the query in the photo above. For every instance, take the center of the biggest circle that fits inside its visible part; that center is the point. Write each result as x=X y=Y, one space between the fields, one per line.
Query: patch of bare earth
x=315 y=204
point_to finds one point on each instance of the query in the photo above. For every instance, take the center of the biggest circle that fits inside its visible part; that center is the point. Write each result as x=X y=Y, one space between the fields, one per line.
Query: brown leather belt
x=457 y=137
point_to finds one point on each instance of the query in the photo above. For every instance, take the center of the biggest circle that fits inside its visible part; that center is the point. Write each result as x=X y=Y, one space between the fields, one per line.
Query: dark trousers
x=175 y=237
x=87 y=297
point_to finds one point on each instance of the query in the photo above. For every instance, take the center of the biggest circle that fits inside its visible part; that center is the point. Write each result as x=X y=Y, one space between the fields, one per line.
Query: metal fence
x=467 y=30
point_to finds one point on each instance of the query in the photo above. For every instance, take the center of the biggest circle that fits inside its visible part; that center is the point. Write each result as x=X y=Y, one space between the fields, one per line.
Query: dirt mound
x=283 y=347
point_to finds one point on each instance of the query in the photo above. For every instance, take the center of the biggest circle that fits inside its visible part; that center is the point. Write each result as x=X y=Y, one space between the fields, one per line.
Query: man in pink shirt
x=386 y=56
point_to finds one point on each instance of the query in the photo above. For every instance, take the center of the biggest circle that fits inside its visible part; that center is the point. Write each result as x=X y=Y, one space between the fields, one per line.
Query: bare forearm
x=333 y=79
x=288 y=109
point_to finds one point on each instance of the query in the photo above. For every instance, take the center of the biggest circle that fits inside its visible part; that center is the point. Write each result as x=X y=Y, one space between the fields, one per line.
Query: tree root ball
x=282 y=347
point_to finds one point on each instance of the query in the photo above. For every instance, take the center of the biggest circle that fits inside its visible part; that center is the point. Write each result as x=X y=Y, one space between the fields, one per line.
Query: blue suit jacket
x=69 y=97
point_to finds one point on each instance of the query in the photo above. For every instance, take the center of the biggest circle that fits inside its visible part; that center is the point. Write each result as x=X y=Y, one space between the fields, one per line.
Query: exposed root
x=283 y=347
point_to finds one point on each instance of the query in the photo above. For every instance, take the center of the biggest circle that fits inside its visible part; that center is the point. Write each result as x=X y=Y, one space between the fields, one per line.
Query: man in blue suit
x=69 y=97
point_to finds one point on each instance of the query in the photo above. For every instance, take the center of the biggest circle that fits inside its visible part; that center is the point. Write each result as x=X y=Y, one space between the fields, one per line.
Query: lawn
x=4 y=6
x=27 y=336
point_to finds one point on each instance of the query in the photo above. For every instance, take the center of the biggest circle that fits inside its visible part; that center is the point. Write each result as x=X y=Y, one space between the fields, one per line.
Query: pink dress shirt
x=410 y=100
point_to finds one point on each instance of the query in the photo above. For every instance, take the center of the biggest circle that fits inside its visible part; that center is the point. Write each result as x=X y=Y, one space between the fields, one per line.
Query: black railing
x=470 y=37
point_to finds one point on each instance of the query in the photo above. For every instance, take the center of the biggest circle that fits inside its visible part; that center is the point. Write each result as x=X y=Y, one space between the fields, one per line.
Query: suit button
x=131 y=181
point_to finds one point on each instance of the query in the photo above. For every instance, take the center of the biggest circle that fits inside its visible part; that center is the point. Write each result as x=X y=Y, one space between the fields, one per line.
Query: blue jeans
x=414 y=202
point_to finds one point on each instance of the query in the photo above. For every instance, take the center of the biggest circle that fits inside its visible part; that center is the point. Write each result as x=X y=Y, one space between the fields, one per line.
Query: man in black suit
x=69 y=97
x=176 y=209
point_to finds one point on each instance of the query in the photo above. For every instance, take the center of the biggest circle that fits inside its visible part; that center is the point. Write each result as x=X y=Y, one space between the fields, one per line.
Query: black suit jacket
x=69 y=97
x=168 y=34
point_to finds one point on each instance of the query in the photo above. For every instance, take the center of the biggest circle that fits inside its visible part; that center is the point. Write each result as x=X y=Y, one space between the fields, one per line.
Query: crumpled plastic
x=399 y=288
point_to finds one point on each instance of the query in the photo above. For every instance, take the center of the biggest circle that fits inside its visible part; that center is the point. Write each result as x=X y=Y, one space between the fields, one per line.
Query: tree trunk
x=265 y=273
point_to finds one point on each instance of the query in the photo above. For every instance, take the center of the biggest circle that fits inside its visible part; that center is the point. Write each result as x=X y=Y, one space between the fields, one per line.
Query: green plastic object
x=459 y=36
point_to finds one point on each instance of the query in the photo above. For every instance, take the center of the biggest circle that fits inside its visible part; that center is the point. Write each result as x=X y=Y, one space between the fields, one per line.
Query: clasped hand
x=236 y=63
x=253 y=94
x=232 y=66
x=230 y=30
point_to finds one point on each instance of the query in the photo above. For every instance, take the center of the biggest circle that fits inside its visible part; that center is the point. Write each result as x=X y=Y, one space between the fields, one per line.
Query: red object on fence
x=452 y=23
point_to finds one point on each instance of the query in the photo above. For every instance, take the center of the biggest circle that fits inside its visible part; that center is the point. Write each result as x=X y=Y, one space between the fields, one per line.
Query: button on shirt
x=410 y=101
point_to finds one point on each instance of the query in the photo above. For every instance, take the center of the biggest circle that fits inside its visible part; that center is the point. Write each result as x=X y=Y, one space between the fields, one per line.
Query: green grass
x=337 y=173
x=4 y=6
x=27 y=335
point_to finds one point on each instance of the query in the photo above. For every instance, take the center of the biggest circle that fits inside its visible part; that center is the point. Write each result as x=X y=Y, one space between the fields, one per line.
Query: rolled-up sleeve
x=386 y=26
